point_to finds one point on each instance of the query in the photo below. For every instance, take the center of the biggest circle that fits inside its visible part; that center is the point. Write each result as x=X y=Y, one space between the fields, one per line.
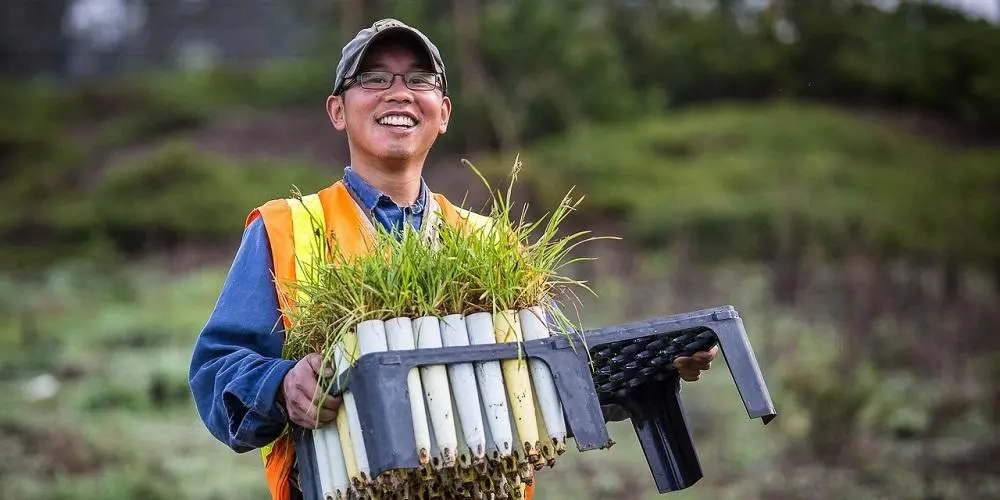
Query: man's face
x=395 y=124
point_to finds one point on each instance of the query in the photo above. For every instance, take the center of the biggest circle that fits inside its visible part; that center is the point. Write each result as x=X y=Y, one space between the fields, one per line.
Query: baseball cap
x=354 y=51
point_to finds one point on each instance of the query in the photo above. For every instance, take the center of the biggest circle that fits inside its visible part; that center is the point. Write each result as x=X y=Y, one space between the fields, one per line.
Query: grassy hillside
x=745 y=179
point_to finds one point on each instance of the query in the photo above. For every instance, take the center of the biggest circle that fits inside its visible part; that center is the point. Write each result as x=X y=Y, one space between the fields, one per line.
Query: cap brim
x=394 y=30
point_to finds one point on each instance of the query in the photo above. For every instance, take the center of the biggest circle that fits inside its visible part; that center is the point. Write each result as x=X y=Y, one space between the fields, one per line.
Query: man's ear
x=335 y=110
x=445 y=114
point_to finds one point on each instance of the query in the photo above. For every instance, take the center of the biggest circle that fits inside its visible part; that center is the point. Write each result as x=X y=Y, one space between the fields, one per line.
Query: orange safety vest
x=291 y=226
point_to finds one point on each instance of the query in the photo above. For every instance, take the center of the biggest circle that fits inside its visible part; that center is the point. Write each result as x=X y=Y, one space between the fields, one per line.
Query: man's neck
x=399 y=182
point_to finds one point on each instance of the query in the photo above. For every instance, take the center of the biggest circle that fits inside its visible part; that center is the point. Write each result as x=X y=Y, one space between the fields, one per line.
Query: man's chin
x=396 y=155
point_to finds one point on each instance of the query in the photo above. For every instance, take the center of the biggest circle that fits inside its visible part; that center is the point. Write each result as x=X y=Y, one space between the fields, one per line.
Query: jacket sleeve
x=236 y=367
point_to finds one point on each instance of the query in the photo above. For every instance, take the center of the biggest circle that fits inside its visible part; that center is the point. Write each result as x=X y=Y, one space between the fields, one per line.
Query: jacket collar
x=368 y=197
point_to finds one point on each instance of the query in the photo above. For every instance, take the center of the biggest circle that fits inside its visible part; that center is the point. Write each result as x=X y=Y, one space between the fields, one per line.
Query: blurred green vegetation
x=597 y=90
x=740 y=179
x=759 y=181
x=827 y=167
x=522 y=70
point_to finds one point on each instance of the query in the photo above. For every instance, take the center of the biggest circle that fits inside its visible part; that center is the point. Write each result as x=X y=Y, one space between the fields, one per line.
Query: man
x=391 y=98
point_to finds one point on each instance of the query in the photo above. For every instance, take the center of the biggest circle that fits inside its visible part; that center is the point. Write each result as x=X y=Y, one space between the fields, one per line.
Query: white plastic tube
x=517 y=380
x=462 y=449
x=330 y=460
x=350 y=425
x=338 y=468
x=464 y=472
x=323 y=464
x=371 y=338
x=533 y=327
x=491 y=447
x=546 y=450
x=491 y=387
x=463 y=385
x=435 y=383
x=399 y=337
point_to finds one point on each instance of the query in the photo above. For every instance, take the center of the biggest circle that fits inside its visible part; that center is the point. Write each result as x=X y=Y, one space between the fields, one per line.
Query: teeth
x=397 y=120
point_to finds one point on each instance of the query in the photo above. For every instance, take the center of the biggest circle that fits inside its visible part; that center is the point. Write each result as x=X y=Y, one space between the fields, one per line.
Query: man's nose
x=398 y=91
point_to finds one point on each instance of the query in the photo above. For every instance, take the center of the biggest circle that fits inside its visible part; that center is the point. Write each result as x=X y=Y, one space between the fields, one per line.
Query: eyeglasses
x=381 y=80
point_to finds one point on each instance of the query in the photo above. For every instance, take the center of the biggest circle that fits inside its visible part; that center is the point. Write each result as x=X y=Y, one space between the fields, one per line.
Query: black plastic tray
x=628 y=365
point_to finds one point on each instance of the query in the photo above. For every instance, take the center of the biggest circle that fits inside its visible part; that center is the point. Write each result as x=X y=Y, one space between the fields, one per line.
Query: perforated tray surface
x=625 y=366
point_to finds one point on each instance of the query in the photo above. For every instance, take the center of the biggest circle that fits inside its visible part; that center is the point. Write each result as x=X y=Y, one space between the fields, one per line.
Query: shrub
x=178 y=194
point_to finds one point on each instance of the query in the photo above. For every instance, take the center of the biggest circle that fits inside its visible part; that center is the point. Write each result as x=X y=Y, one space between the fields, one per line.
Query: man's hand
x=690 y=367
x=298 y=388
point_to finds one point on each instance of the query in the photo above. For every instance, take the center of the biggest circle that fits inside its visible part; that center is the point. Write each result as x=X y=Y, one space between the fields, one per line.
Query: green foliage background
x=827 y=167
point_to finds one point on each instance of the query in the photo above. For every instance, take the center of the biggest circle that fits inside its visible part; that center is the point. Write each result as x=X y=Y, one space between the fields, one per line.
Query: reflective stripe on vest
x=308 y=236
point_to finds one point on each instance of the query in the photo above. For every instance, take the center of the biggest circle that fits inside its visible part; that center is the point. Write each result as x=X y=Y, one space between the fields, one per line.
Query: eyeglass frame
x=356 y=80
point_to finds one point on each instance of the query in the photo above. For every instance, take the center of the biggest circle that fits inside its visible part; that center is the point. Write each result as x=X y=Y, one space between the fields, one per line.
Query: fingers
x=304 y=398
x=326 y=416
x=315 y=362
x=300 y=416
x=309 y=413
x=707 y=356
x=305 y=390
x=303 y=411
x=332 y=403
x=701 y=358
x=689 y=368
x=691 y=363
x=688 y=371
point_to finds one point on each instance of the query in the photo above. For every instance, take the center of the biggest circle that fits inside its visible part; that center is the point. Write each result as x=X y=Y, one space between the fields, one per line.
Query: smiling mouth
x=402 y=122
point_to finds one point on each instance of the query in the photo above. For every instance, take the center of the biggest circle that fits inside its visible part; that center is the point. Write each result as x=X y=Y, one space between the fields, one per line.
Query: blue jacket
x=236 y=367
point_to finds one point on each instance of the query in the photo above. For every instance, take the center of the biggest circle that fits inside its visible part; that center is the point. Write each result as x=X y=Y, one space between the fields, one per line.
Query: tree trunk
x=687 y=280
x=787 y=262
x=951 y=282
x=352 y=13
x=465 y=18
x=996 y=276
x=502 y=115
x=786 y=279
